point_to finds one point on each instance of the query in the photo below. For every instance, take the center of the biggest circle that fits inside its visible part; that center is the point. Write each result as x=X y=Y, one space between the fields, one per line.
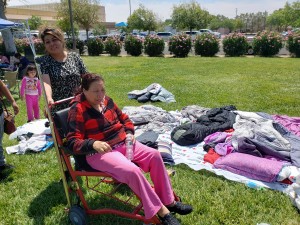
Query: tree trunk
x=8 y=39
x=87 y=34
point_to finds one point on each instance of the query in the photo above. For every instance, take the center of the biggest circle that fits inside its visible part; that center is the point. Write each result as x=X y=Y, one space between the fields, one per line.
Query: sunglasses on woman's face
x=47 y=31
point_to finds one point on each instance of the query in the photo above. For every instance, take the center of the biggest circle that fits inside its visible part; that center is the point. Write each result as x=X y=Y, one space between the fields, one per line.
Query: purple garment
x=224 y=148
x=292 y=124
x=217 y=137
x=250 y=166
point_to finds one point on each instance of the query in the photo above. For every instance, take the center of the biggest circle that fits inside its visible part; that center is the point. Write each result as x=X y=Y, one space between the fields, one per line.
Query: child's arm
x=22 y=88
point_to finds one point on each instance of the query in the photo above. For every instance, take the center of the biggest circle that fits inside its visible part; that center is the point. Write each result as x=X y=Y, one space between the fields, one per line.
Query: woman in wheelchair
x=98 y=129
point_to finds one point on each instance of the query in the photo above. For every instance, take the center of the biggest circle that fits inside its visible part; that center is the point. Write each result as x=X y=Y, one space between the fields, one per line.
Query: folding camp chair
x=73 y=176
x=11 y=80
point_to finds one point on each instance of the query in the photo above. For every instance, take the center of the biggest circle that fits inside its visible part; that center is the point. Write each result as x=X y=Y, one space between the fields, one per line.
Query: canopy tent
x=121 y=24
x=5 y=24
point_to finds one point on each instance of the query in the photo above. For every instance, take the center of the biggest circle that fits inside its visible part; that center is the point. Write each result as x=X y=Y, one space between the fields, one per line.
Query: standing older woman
x=97 y=131
x=61 y=69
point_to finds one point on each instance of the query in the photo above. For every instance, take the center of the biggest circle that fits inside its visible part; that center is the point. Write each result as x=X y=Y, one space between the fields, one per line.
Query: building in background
x=48 y=13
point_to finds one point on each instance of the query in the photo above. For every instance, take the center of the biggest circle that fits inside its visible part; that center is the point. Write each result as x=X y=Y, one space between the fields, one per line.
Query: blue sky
x=119 y=10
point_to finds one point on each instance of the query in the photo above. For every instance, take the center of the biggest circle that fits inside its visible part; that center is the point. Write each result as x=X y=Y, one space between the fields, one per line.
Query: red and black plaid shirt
x=86 y=125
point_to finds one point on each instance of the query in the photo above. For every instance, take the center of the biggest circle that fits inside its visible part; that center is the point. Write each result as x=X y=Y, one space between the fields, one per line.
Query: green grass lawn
x=32 y=193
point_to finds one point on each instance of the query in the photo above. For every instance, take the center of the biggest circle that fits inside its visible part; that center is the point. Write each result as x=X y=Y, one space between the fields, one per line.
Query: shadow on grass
x=42 y=205
x=4 y=176
x=47 y=206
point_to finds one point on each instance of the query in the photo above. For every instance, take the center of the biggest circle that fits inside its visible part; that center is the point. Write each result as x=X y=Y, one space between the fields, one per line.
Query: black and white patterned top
x=65 y=76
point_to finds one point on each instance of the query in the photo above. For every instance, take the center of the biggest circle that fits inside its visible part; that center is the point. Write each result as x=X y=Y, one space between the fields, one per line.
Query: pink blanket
x=290 y=123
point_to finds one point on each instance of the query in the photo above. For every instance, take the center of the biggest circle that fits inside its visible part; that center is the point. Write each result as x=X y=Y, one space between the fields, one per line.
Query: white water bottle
x=129 y=147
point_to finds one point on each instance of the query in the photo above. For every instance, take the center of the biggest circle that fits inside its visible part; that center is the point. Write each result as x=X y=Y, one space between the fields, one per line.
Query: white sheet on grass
x=37 y=127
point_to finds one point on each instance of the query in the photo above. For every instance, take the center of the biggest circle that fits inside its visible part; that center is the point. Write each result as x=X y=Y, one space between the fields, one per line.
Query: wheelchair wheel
x=77 y=215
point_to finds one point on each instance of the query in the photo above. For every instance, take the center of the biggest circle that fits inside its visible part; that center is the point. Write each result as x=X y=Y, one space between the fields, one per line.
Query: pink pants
x=149 y=160
x=32 y=106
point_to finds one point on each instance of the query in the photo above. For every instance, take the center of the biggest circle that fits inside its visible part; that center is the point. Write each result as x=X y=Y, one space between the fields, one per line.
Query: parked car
x=193 y=34
x=102 y=36
x=143 y=34
x=217 y=34
x=164 y=35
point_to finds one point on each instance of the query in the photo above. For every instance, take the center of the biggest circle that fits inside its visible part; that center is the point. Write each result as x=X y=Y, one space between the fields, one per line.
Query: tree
x=221 y=21
x=238 y=24
x=85 y=13
x=276 y=19
x=34 y=22
x=229 y=23
x=9 y=44
x=190 y=16
x=143 y=19
x=291 y=13
x=99 y=29
x=215 y=23
x=252 y=22
x=65 y=25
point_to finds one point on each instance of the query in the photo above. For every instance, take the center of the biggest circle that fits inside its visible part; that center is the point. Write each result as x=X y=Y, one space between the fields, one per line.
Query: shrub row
x=264 y=44
x=293 y=44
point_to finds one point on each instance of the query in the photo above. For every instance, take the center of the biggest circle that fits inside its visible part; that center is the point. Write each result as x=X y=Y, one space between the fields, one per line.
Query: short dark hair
x=88 y=79
x=17 y=55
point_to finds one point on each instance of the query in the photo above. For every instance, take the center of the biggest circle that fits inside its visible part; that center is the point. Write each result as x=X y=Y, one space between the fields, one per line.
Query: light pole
x=71 y=22
x=129 y=7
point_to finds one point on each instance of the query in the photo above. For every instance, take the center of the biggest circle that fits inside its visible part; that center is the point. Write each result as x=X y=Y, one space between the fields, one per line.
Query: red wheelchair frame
x=78 y=210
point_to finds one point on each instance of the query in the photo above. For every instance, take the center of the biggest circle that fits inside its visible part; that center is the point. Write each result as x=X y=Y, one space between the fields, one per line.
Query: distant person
x=22 y=64
x=31 y=92
x=289 y=30
x=4 y=62
x=61 y=70
x=5 y=92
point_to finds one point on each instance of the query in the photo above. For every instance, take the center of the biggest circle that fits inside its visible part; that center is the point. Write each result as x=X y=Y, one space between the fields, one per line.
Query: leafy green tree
x=291 y=13
x=229 y=23
x=276 y=20
x=65 y=25
x=238 y=24
x=221 y=21
x=6 y=34
x=162 y=24
x=35 y=22
x=190 y=16
x=215 y=23
x=85 y=12
x=251 y=22
x=99 y=29
x=143 y=19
